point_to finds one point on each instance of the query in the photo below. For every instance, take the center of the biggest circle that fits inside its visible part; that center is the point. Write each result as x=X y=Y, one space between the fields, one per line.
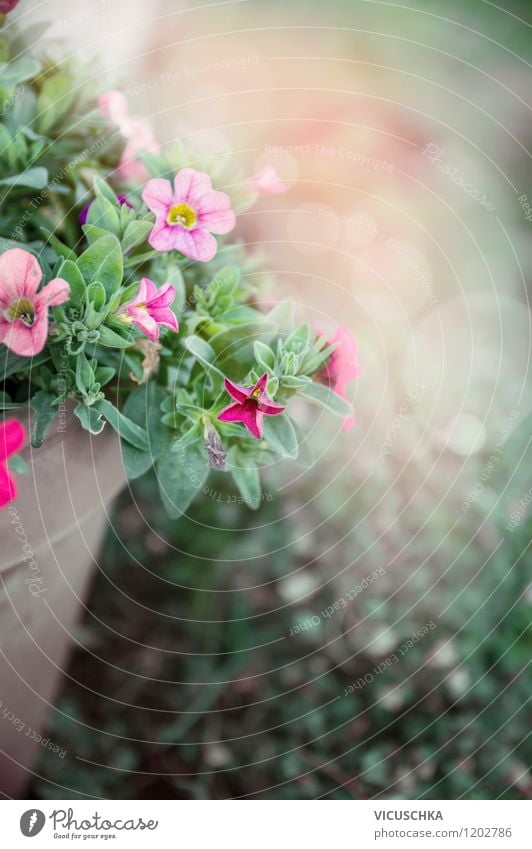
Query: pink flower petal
x=114 y=106
x=261 y=384
x=164 y=315
x=253 y=421
x=266 y=182
x=239 y=393
x=131 y=170
x=20 y=275
x=142 y=295
x=56 y=292
x=231 y=413
x=12 y=437
x=163 y=237
x=23 y=340
x=39 y=332
x=196 y=244
x=145 y=322
x=343 y=365
x=151 y=291
x=218 y=220
x=247 y=413
x=205 y=245
x=158 y=197
x=269 y=408
x=162 y=297
x=8 y=487
x=190 y=184
x=140 y=137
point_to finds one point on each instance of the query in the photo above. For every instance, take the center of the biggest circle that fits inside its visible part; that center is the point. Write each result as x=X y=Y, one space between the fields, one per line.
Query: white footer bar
x=267 y=824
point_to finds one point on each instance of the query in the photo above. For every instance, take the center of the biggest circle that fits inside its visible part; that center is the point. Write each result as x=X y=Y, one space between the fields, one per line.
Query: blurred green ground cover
x=196 y=657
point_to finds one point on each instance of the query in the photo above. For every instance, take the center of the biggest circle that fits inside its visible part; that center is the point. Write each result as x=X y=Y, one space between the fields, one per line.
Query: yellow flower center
x=22 y=309
x=256 y=394
x=182 y=214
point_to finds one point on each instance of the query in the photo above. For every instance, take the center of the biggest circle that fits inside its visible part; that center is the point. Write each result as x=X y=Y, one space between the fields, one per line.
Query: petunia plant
x=119 y=296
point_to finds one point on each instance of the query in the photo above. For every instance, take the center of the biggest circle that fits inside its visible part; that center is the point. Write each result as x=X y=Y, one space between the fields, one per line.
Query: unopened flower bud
x=215 y=450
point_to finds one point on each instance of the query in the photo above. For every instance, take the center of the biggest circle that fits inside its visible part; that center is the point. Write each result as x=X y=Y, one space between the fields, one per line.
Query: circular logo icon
x=32 y=822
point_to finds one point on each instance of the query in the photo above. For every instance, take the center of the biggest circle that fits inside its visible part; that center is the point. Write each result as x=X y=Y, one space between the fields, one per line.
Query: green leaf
x=84 y=374
x=298 y=339
x=155 y=164
x=224 y=282
x=279 y=432
x=125 y=428
x=58 y=246
x=94 y=233
x=96 y=309
x=23 y=109
x=70 y=272
x=138 y=259
x=43 y=415
x=247 y=479
x=315 y=358
x=33 y=178
x=12 y=364
x=135 y=234
x=103 y=261
x=172 y=420
x=234 y=345
x=18 y=465
x=104 y=215
x=264 y=356
x=143 y=407
x=289 y=381
x=104 y=190
x=90 y=418
x=104 y=374
x=111 y=339
x=174 y=275
x=283 y=314
x=126 y=294
x=96 y=295
x=18 y=71
x=54 y=100
x=181 y=475
x=206 y=356
x=326 y=397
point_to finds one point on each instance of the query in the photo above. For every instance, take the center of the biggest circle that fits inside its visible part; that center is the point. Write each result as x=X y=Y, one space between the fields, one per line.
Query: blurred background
x=366 y=633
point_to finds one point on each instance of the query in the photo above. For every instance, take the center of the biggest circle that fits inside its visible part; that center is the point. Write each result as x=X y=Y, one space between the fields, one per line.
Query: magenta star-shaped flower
x=250 y=405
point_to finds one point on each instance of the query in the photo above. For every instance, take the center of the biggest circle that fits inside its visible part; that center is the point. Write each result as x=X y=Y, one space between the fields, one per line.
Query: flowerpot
x=50 y=538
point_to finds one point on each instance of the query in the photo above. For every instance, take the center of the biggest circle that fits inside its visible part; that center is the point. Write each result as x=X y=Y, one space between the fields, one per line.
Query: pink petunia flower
x=24 y=310
x=251 y=405
x=138 y=135
x=266 y=182
x=12 y=438
x=150 y=308
x=343 y=366
x=188 y=214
